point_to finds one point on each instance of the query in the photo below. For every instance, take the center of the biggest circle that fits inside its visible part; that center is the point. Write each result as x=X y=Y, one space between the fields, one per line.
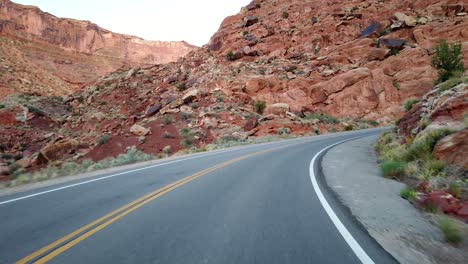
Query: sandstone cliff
x=48 y=55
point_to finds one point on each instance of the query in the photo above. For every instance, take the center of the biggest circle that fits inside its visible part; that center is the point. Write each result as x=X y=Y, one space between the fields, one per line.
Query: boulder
x=58 y=150
x=248 y=51
x=251 y=123
x=370 y=30
x=409 y=20
x=190 y=95
x=139 y=130
x=99 y=116
x=378 y=53
x=153 y=109
x=279 y=109
x=453 y=149
x=440 y=199
x=249 y=21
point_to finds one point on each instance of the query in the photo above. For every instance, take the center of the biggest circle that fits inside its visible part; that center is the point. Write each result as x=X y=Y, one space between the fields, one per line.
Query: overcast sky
x=191 y=20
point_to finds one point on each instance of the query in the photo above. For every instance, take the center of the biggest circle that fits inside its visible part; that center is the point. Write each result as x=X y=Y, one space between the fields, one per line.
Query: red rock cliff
x=75 y=51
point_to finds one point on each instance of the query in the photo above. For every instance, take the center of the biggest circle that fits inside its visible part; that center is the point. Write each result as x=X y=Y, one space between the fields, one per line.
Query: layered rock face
x=348 y=58
x=76 y=52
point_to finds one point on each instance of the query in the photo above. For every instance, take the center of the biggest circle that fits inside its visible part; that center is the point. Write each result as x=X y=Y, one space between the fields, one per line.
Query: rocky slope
x=318 y=66
x=43 y=54
x=432 y=144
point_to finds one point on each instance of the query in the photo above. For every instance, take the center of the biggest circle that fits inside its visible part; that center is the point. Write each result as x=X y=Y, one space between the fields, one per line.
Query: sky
x=194 y=21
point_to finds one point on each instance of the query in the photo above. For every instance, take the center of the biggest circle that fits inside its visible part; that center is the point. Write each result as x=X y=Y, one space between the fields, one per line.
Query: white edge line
x=140 y=169
x=353 y=244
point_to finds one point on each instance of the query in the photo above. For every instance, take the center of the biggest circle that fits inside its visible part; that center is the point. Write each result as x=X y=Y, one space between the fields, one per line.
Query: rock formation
x=43 y=54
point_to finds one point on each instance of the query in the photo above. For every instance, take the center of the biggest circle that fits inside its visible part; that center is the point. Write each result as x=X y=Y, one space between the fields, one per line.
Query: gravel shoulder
x=351 y=171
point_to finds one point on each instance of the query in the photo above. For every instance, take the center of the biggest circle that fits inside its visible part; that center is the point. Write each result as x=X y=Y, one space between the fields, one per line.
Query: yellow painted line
x=119 y=213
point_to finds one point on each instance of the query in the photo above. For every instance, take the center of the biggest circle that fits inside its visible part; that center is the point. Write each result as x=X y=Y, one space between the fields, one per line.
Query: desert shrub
x=455 y=189
x=188 y=137
x=409 y=194
x=396 y=85
x=185 y=116
x=230 y=56
x=418 y=150
x=259 y=106
x=448 y=60
x=167 y=149
x=409 y=104
x=348 y=128
x=131 y=156
x=450 y=230
x=452 y=82
x=436 y=166
x=2 y=106
x=393 y=168
x=103 y=139
x=229 y=141
x=285 y=15
x=435 y=135
x=284 y=131
x=324 y=118
x=166 y=120
x=180 y=86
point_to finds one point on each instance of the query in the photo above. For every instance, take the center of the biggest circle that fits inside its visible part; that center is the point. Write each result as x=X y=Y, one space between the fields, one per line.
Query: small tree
x=260 y=106
x=448 y=60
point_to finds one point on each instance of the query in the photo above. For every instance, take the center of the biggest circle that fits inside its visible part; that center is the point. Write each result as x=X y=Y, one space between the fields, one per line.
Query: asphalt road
x=253 y=204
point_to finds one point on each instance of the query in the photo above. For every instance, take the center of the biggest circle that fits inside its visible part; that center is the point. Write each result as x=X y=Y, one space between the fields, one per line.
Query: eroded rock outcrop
x=45 y=55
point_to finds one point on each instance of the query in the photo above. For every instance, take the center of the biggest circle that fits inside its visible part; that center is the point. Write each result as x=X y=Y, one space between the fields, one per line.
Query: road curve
x=253 y=204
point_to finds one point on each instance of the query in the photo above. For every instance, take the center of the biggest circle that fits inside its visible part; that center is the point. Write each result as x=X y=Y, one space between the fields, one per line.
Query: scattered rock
x=153 y=109
x=370 y=30
x=251 y=123
x=139 y=130
x=440 y=199
x=279 y=109
x=249 y=21
x=378 y=53
x=248 y=51
x=58 y=150
x=190 y=95
x=314 y=20
x=99 y=116
x=409 y=20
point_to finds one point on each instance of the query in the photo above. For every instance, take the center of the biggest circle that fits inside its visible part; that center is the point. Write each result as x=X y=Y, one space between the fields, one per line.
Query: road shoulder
x=350 y=170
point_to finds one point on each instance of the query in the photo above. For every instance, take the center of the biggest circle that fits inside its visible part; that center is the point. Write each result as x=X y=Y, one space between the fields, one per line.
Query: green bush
x=327 y=119
x=452 y=82
x=185 y=116
x=409 y=104
x=393 y=168
x=448 y=60
x=259 y=106
x=284 y=131
x=396 y=85
x=103 y=139
x=418 y=150
x=285 y=15
x=188 y=136
x=230 y=56
x=166 y=120
x=348 y=128
x=451 y=231
x=409 y=194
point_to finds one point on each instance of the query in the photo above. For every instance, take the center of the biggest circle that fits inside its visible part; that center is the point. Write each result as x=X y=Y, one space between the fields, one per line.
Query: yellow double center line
x=57 y=247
